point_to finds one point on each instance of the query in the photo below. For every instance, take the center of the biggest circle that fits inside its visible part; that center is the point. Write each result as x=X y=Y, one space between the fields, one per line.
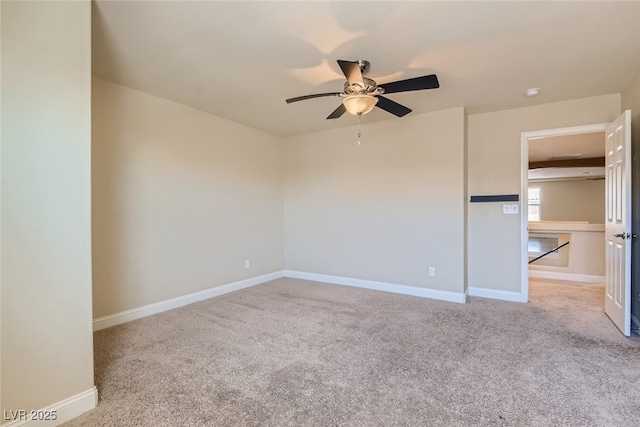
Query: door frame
x=524 y=188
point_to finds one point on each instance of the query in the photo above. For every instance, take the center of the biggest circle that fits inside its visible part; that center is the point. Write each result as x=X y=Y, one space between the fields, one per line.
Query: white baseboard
x=64 y=411
x=571 y=277
x=147 y=310
x=379 y=286
x=496 y=294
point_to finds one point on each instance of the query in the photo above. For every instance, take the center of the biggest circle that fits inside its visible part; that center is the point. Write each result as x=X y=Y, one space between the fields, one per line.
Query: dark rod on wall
x=496 y=198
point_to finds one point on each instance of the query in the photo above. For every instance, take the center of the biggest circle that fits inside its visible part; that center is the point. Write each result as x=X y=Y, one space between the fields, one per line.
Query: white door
x=617 y=300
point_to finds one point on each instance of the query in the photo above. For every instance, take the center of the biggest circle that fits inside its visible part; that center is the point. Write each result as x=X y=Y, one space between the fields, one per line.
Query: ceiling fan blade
x=317 y=95
x=337 y=112
x=351 y=71
x=416 y=83
x=392 y=107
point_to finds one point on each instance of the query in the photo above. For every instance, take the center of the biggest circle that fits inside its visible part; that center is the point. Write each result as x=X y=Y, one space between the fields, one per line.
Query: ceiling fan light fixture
x=362 y=94
x=359 y=104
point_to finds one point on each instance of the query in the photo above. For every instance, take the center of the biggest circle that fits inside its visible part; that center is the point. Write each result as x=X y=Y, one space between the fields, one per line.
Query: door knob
x=623 y=235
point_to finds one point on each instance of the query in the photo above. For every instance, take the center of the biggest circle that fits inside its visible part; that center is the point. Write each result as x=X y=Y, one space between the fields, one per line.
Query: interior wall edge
x=497 y=294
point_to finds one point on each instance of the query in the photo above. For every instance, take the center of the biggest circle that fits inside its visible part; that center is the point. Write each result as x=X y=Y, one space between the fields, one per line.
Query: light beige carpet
x=298 y=353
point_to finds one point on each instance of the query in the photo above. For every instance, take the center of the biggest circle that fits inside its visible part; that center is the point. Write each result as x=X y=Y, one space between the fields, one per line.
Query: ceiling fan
x=361 y=94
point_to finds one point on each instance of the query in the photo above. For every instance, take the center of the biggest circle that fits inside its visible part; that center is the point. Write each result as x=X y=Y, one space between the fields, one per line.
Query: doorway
x=528 y=139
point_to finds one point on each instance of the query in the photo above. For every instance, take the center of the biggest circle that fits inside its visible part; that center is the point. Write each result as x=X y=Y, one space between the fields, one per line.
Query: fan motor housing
x=370 y=88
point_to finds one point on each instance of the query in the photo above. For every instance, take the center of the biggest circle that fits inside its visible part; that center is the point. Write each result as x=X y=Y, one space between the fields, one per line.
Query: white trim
x=496 y=294
x=158 y=307
x=571 y=130
x=524 y=219
x=571 y=277
x=458 y=297
x=64 y=410
x=524 y=185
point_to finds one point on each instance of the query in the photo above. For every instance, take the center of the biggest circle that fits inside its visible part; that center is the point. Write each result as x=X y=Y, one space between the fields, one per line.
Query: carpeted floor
x=297 y=353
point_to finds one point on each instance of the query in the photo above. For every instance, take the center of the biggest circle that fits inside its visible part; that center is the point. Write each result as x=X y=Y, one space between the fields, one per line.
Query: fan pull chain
x=359 y=134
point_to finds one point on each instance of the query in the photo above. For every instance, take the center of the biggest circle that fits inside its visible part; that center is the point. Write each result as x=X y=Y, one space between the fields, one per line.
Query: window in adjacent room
x=534 y=204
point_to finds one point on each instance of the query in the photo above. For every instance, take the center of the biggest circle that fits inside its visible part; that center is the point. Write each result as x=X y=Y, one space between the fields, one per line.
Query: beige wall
x=373 y=212
x=494 y=151
x=571 y=200
x=384 y=210
x=631 y=101
x=47 y=347
x=180 y=199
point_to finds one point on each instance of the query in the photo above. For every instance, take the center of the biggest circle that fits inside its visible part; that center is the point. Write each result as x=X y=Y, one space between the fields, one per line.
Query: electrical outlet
x=432 y=271
x=510 y=209
x=247 y=263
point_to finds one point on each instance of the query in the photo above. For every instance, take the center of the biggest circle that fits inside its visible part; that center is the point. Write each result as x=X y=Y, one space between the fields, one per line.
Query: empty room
x=266 y=213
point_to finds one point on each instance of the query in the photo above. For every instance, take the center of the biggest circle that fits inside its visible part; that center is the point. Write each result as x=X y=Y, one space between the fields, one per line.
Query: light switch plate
x=510 y=209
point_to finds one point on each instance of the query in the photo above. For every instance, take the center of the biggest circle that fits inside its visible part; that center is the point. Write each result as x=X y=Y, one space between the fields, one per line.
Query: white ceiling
x=241 y=60
x=588 y=145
